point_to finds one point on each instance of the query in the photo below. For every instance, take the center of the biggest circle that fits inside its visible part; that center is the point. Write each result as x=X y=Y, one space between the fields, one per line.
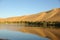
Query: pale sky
x=10 y=8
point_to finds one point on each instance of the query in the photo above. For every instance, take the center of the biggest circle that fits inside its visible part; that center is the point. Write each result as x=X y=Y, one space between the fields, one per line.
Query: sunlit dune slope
x=55 y=15
x=2 y=20
x=52 y=15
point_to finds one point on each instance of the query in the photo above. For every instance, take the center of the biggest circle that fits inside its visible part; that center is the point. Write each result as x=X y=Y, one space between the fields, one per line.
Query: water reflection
x=10 y=26
x=15 y=35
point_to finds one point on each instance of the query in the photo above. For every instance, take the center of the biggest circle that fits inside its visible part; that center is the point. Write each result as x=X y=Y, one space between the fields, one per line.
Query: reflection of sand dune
x=53 y=34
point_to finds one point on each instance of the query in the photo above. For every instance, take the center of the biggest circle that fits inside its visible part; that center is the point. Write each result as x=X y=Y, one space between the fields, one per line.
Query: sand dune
x=52 y=15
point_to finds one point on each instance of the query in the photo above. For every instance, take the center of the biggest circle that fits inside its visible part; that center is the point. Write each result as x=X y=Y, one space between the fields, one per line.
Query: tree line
x=42 y=24
x=36 y=24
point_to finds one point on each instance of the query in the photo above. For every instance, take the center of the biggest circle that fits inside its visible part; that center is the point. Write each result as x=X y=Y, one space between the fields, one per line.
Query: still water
x=16 y=35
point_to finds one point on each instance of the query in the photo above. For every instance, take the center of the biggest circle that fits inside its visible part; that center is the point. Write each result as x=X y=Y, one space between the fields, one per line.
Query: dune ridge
x=52 y=15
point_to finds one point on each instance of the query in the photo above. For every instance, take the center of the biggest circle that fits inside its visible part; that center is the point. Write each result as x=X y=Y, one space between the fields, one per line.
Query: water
x=17 y=35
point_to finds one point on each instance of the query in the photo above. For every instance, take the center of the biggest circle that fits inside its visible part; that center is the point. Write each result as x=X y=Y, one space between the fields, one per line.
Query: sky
x=10 y=8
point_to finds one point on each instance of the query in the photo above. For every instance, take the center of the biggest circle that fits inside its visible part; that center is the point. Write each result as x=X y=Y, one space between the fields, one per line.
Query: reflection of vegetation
x=35 y=24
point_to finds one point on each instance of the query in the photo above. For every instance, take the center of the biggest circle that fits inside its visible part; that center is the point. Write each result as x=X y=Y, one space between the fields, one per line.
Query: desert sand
x=51 y=15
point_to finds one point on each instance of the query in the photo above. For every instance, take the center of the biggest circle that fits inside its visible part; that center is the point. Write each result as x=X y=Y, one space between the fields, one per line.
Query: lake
x=6 y=33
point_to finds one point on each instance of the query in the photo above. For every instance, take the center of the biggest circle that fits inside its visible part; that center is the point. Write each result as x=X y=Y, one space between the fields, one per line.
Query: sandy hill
x=52 y=15
x=2 y=20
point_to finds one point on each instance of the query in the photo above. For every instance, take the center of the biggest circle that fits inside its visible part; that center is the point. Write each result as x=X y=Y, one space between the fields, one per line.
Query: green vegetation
x=42 y=24
x=35 y=24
